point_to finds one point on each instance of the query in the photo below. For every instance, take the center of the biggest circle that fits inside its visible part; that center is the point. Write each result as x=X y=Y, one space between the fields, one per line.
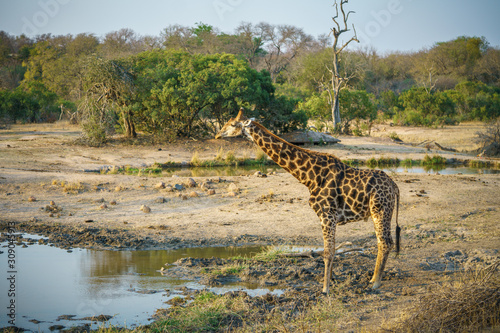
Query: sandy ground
x=42 y=162
x=439 y=214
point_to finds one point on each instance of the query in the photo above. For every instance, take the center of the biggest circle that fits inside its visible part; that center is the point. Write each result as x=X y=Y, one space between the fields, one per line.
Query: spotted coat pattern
x=338 y=193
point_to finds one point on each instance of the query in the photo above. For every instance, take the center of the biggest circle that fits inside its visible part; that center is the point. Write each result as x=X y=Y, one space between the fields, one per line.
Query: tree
x=108 y=90
x=283 y=43
x=182 y=94
x=338 y=81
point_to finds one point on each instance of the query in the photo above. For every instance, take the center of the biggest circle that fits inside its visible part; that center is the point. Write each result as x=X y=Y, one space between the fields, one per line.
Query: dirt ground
x=48 y=185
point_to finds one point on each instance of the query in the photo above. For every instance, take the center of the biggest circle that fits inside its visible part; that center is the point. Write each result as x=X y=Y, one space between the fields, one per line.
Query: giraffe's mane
x=307 y=151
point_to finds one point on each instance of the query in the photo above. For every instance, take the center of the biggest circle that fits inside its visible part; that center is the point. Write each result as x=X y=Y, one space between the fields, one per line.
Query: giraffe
x=338 y=193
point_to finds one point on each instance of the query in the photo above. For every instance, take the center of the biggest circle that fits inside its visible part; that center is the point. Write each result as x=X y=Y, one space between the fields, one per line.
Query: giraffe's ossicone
x=338 y=193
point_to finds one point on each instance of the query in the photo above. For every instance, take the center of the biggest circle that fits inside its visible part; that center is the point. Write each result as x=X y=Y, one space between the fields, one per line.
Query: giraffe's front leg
x=328 y=225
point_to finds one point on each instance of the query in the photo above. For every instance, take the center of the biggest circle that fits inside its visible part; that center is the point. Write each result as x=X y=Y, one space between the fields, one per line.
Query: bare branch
x=336 y=16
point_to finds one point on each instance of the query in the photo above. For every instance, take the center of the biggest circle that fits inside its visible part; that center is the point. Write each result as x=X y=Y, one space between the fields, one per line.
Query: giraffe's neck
x=301 y=163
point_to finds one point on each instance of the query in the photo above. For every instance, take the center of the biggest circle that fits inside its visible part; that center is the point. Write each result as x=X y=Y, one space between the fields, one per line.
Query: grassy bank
x=229 y=160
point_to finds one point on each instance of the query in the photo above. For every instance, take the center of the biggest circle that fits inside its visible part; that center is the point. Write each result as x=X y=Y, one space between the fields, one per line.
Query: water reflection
x=51 y=282
x=249 y=170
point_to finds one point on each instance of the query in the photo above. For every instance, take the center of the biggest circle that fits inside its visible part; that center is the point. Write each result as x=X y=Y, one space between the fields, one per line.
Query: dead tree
x=338 y=81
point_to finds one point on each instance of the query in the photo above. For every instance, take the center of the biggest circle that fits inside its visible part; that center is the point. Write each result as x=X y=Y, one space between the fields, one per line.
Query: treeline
x=187 y=80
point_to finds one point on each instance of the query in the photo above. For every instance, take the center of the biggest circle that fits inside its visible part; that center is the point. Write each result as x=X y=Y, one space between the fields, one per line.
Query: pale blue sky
x=386 y=25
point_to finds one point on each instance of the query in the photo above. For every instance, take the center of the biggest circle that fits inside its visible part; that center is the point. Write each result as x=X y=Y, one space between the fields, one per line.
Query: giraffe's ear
x=247 y=123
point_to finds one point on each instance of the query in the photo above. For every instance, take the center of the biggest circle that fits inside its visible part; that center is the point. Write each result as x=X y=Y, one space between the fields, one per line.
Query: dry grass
x=72 y=188
x=471 y=304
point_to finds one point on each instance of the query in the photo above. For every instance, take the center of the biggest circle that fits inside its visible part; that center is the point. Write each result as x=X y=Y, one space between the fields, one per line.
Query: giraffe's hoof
x=376 y=285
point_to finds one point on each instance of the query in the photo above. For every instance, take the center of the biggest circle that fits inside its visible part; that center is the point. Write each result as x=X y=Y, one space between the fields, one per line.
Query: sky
x=384 y=25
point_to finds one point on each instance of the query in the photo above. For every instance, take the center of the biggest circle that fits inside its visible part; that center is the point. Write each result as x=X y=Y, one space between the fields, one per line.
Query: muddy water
x=51 y=282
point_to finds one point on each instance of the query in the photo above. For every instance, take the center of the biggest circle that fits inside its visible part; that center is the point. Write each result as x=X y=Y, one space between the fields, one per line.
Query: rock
x=231 y=194
x=211 y=192
x=160 y=200
x=52 y=203
x=31 y=198
x=169 y=188
x=103 y=206
x=191 y=183
x=184 y=197
x=118 y=189
x=112 y=202
x=99 y=200
x=179 y=187
x=206 y=185
x=260 y=174
x=233 y=188
x=309 y=137
x=145 y=209
x=193 y=194
x=160 y=185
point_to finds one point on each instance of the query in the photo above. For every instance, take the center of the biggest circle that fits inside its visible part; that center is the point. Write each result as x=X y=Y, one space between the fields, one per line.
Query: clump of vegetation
x=408 y=162
x=382 y=162
x=225 y=271
x=195 y=159
x=270 y=253
x=352 y=162
x=471 y=304
x=230 y=158
x=394 y=136
x=260 y=156
x=435 y=160
x=207 y=313
x=371 y=162
x=73 y=188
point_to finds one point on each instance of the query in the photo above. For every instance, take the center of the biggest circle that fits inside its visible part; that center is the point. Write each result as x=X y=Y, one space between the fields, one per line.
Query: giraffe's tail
x=398 y=229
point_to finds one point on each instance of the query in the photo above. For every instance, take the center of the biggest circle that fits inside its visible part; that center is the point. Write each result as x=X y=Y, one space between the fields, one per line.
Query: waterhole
x=54 y=287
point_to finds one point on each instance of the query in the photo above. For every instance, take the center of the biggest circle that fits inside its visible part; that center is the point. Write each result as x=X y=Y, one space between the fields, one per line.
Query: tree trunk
x=336 y=110
x=128 y=124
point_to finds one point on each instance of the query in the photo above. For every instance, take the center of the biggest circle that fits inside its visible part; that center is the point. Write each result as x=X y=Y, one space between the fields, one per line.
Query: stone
x=179 y=187
x=260 y=174
x=160 y=185
x=145 y=209
x=206 y=185
x=31 y=198
x=233 y=188
x=191 y=183
x=160 y=200
x=193 y=194
x=211 y=192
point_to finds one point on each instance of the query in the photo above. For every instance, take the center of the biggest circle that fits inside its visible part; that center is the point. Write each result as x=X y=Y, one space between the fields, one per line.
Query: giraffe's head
x=233 y=127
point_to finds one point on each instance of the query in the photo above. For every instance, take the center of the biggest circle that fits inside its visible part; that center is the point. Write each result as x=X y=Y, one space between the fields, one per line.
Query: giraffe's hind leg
x=382 y=222
x=328 y=227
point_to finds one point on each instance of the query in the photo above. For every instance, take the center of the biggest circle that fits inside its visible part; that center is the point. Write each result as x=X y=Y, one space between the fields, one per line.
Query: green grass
x=408 y=163
x=434 y=160
x=207 y=313
x=225 y=271
x=382 y=162
x=352 y=162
